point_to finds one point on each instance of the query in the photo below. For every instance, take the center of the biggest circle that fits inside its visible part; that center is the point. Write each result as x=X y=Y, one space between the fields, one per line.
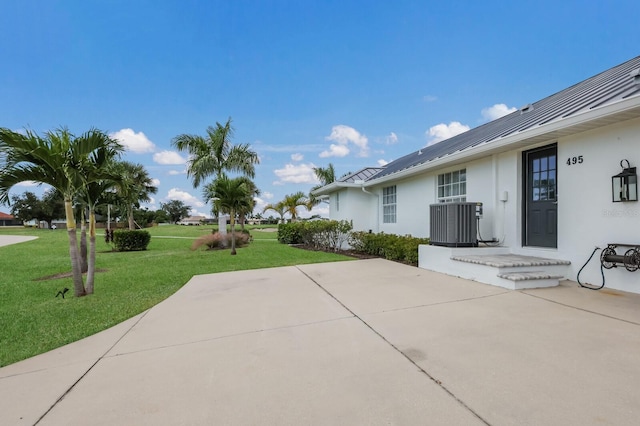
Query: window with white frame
x=389 y=204
x=337 y=201
x=452 y=187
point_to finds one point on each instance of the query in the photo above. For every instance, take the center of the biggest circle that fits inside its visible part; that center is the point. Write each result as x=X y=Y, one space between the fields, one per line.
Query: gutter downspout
x=377 y=207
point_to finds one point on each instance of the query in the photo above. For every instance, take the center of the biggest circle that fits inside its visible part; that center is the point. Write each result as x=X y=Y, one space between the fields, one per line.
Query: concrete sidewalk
x=6 y=240
x=356 y=343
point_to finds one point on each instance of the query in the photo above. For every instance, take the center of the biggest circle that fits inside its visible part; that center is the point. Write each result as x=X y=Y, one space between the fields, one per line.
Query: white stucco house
x=192 y=220
x=544 y=176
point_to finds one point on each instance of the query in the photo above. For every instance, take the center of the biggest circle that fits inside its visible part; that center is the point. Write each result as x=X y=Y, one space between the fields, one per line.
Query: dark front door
x=541 y=202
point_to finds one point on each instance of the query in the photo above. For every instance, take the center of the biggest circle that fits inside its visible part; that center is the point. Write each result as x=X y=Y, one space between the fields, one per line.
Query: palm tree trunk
x=233 y=232
x=78 y=285
x=91 y=270
x=243 y=219
x=132 y=225
x=83 y=243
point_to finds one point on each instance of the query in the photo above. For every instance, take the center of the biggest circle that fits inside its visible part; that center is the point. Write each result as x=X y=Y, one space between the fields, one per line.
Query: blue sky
x=307 y=83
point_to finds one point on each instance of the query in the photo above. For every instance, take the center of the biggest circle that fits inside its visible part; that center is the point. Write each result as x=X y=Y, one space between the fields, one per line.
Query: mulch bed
x=350 y=253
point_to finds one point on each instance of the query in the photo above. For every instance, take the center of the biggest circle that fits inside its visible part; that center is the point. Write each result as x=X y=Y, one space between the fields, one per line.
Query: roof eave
x=334 y=186
x=620 y=111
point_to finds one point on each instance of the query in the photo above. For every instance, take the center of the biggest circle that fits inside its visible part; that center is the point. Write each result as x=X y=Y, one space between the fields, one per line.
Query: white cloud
x=496 y=111
x=177 y=194
x=298 y=173
x=177 y=172
x=335 y=151
x=150 y=205
x=297 y=157
x=155 y=182
x=442 y=131
x=168 y=157
x=28 y=183
x=268 y=195
x=321 y=209
x=391 y=139
x=382 y=162
x=345 y=135
x=429 y=98
x=194 y=212
x=132 y=141
x=260 y=204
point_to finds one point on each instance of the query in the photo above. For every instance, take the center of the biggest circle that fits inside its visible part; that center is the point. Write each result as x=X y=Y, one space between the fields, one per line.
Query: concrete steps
x=495 y=266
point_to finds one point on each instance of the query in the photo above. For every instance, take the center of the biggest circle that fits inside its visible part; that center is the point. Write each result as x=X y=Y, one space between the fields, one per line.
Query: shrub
x=289 y=233
x=368 y=243
x=390 y=246
x=125 y=240
x=327 y=235
x=216 y=240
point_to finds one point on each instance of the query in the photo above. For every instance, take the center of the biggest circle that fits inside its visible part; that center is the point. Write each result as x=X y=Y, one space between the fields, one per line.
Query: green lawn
x=33 y=320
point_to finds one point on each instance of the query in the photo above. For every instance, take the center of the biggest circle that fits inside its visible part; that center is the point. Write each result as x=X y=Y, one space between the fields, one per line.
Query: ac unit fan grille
x=453 y=225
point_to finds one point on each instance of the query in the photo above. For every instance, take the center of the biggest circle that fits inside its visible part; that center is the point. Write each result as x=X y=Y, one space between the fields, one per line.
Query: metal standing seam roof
x=361 y=175
x=617 y=83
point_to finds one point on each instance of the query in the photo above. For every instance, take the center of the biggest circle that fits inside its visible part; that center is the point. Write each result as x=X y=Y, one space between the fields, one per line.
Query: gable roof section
x=559 y=113
x=4 y=216
x=361 y=175
x=350 y=180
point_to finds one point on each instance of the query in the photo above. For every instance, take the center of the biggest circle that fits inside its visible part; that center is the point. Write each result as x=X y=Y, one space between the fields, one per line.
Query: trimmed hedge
x=131 y=240
x=289 y=233
x=390 y=246
x=329 y=235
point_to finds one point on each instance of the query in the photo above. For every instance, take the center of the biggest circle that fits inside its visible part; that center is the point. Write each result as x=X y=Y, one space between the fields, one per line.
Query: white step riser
x=439 y=259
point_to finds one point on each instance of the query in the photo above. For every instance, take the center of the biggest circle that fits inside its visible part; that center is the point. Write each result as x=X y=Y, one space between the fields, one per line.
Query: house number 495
x=575 y=160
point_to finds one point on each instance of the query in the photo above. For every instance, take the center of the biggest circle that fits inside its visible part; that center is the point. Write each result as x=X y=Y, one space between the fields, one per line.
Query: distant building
x=8 y=220
x=192 y=220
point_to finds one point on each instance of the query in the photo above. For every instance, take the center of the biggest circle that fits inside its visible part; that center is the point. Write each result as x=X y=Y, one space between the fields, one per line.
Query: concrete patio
x=363 y=342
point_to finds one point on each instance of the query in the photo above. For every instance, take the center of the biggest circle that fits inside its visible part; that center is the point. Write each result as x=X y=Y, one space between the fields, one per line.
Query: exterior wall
x=481 y=184
x=354 y=205
x=413 y=197
x=587 y=217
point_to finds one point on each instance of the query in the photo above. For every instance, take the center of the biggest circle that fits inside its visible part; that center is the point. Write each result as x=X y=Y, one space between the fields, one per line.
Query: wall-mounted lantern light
x=624 y=185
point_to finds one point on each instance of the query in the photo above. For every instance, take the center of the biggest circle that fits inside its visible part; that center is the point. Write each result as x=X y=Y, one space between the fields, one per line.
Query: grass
x=33 y=320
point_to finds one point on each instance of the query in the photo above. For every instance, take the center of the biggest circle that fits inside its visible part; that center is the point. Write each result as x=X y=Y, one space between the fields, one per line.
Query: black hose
x=601 y=272
x=488 y=243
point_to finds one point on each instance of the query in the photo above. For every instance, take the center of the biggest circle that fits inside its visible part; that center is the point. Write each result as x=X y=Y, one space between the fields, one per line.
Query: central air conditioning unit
x=453 y=224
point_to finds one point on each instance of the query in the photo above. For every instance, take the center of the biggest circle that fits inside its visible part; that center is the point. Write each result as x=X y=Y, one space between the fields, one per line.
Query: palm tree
x=213 y=155
x=293 y=201
x=325 y=176
x=278 y=208
x=58 y=159
x=134 y=186
x=104 y=177
x=253 y=191
x=229 y=196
